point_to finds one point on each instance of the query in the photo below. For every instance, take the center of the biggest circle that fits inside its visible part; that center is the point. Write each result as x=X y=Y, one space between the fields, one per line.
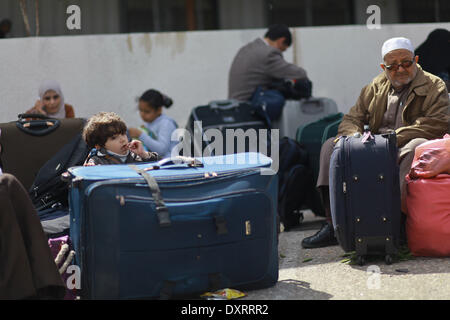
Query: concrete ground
x=326 y=274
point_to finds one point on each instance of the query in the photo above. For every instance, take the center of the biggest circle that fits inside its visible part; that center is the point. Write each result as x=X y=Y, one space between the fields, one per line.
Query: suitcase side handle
x=224 y=104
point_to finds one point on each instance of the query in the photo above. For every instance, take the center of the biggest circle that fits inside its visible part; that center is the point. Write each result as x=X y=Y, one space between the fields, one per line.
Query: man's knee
x=410 y=147
x=328 y=146
x=324 y=165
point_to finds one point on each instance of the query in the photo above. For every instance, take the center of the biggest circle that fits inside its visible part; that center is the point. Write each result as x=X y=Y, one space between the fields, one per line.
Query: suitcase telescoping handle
x=224 y=104
x=41 y=127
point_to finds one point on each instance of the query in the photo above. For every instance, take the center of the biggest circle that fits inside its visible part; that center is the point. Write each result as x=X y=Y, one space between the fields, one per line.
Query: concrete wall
x=108 y=72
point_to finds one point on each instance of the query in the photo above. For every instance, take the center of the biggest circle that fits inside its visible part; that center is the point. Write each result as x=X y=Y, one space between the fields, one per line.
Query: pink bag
x=428 y=200
x=431 y=158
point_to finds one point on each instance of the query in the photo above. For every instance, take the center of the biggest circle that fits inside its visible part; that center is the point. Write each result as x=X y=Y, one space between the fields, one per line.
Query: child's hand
x=134 y=132
x=135 y=146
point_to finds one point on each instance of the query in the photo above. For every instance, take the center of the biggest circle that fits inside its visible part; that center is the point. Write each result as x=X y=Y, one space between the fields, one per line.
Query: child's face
x=51 y=101
x=148 y=114
x=117 y=144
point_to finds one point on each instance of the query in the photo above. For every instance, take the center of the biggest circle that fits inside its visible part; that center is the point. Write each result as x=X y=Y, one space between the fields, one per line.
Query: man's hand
x=134 y=132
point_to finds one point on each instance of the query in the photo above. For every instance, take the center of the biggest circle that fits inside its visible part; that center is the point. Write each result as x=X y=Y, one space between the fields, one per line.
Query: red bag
x=428 y=200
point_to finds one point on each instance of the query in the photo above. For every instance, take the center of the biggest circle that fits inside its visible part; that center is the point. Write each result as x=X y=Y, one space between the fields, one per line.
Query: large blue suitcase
x=212 y=225
x=365 y=195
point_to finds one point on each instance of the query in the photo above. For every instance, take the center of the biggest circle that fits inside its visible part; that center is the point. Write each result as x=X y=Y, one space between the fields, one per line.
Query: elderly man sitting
x=403 y=98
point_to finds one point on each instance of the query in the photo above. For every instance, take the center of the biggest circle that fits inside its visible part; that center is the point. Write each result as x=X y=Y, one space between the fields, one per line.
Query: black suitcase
x=365 y=195
x=28 y=143
x=224 y=115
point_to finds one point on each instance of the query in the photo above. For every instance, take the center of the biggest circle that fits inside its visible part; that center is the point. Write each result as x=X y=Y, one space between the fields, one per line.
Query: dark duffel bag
x=365 y=195
x=48 y=188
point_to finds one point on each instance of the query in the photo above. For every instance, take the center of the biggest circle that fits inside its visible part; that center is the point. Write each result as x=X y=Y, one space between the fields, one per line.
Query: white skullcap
x=396 y=43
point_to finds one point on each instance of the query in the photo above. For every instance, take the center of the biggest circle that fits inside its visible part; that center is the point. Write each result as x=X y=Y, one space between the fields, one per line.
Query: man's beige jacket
x=425 y=115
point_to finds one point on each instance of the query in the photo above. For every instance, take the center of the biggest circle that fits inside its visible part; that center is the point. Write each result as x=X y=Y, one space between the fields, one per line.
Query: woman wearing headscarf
x=51 y=102
x=434 y=54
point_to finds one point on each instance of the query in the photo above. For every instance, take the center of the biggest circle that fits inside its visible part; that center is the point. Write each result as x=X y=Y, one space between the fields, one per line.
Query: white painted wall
x=108 y=72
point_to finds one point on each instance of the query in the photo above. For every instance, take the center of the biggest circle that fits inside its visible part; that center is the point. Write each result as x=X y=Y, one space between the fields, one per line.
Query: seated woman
x=51 y=101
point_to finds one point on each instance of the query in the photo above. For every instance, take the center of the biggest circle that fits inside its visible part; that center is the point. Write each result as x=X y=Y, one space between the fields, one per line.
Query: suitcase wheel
x=388 y=259
x=360 y=260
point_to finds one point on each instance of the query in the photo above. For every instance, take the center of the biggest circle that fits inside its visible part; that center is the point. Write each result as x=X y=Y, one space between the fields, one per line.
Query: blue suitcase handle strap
x=161 y=210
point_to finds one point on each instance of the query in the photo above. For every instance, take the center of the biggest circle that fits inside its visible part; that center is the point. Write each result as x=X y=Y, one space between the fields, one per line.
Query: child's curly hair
x=102 y=126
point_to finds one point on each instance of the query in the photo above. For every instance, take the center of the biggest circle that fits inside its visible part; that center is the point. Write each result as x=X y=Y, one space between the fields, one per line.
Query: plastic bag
x=224 y=294
x=431 y=158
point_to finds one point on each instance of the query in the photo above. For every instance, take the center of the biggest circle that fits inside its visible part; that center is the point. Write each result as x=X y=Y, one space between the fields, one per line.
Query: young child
x=158 y=128
x=106 y=132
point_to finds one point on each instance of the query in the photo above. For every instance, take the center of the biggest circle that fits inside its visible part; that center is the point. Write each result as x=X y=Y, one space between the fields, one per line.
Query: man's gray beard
x=397 y=84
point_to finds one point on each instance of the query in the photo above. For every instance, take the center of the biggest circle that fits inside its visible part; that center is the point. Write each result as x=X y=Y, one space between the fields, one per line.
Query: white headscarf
x=53 y=85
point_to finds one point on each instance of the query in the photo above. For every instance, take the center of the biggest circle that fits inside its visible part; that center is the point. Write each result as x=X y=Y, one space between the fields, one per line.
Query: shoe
x=323 y=238
x=293 y=220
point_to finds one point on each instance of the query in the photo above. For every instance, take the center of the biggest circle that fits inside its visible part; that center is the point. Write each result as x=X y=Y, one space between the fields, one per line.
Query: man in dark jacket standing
x=260 y=62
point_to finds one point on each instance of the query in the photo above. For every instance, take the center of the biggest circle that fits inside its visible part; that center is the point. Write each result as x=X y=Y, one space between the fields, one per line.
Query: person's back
x=434 y=54
x=247 y=70
x=261 y=62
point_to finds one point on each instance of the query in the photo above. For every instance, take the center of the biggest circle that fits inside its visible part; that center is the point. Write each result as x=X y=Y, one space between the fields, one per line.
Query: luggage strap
x=366 y=137
x=161 y=210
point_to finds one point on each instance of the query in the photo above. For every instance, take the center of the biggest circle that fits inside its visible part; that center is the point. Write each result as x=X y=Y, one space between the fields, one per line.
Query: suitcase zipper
x=123 y=198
